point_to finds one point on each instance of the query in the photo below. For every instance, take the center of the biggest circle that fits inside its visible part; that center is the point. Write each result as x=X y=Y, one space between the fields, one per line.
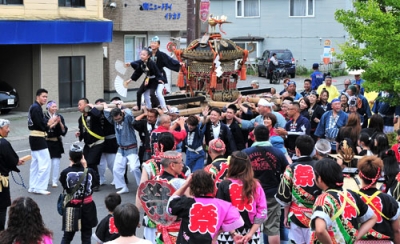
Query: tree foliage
x=374 y=43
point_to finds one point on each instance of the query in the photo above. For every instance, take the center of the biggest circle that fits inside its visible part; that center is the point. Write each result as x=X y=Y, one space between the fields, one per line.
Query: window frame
x=63 y=3
x=71 y=83
x=306 y=14
x=242 y=10
x=136 y=55
x=254 y=55
x=5 y=2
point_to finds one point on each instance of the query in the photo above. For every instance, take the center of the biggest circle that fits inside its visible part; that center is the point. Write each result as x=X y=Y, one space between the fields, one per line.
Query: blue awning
x=55 y=31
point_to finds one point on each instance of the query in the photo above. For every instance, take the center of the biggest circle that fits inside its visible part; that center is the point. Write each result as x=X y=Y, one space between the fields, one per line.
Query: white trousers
x=150 y=234
x=39 y=174
x=147 y=100
x=298 y=234
x=120 y=166
x=55 y=163
x=106 y=161
x=160 y=95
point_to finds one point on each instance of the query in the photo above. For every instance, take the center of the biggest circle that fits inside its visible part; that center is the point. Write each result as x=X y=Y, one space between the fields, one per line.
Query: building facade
x=56 y=45
x=135 y=23
x=302 y=26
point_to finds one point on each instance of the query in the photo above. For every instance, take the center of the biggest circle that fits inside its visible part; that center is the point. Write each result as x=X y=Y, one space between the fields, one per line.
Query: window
x=71 y=80
x=247 y=8
x=132 y=47
x=11 y=2
x=246 y=45
x=71 y=3
x=301 y=8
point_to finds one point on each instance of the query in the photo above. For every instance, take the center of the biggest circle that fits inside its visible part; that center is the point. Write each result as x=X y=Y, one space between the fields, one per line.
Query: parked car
x=285 y=58
x=9 y=98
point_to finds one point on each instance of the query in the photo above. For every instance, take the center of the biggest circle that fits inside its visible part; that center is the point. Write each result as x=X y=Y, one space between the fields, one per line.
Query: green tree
x=375 y=25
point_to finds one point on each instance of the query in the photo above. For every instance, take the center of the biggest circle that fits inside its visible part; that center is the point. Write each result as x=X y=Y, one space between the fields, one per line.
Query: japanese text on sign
x=165 y=7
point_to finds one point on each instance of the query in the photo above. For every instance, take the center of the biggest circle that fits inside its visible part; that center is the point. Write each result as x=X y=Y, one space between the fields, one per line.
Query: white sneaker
x=123 y=190
x=54 y=185
x=41 y=192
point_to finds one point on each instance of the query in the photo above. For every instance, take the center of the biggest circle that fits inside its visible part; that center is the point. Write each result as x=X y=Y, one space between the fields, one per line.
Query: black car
x=8 y=98
x=285 y=59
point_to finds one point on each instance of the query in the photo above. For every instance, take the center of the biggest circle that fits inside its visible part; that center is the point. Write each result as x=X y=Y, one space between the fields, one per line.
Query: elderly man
x=127 y=151
x=255 y=84
x=346 y=85
x=322 y=149
x=151 y=170
x=333 y=91
x=358 y=81
x=295 y=127
x=165 y=126
x=331 y=121
x=291 y=91
x=219 y=166
x=264 y=107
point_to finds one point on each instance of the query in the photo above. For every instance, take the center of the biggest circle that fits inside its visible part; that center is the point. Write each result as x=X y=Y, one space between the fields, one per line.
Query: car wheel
x=5 y=111
x=292 y=75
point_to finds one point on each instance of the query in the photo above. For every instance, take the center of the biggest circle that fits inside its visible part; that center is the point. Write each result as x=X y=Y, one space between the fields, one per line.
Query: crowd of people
x=277 y=170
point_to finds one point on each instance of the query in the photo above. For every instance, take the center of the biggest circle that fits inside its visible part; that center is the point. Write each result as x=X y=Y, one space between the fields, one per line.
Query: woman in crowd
x=126 y=219
x=304 y=106
x=379 y=144
x=8 y=162
x=315 y=112
x=375 y=125
x=69 y=178
x=246 y=194
x=351 y=130
x=344 y=102
x=391 y=173
x=364 y=141
x=54 y=140
x=330 y=222
x=323 y=100
x=152 y=78
x=25 y=224
x=274 y=139
x=203 y=216
x=386 y=208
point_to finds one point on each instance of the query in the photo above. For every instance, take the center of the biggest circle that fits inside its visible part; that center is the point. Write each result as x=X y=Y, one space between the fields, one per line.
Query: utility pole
x=192 y=19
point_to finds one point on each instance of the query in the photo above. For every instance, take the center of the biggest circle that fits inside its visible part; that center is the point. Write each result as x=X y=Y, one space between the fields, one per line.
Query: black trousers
x=86 y=235
x=153 y=98
x=3 y=215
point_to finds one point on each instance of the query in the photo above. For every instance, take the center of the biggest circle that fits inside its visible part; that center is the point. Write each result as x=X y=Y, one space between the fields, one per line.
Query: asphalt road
x=19 y=140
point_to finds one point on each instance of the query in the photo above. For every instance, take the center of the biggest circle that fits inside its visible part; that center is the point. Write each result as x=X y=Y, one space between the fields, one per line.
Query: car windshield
x=284 y=56
x=5 y=87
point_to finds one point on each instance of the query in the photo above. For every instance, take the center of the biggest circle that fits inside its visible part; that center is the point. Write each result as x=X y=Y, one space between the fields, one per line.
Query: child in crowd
x=127 y=220
x=106 y=230
x=339 y=216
